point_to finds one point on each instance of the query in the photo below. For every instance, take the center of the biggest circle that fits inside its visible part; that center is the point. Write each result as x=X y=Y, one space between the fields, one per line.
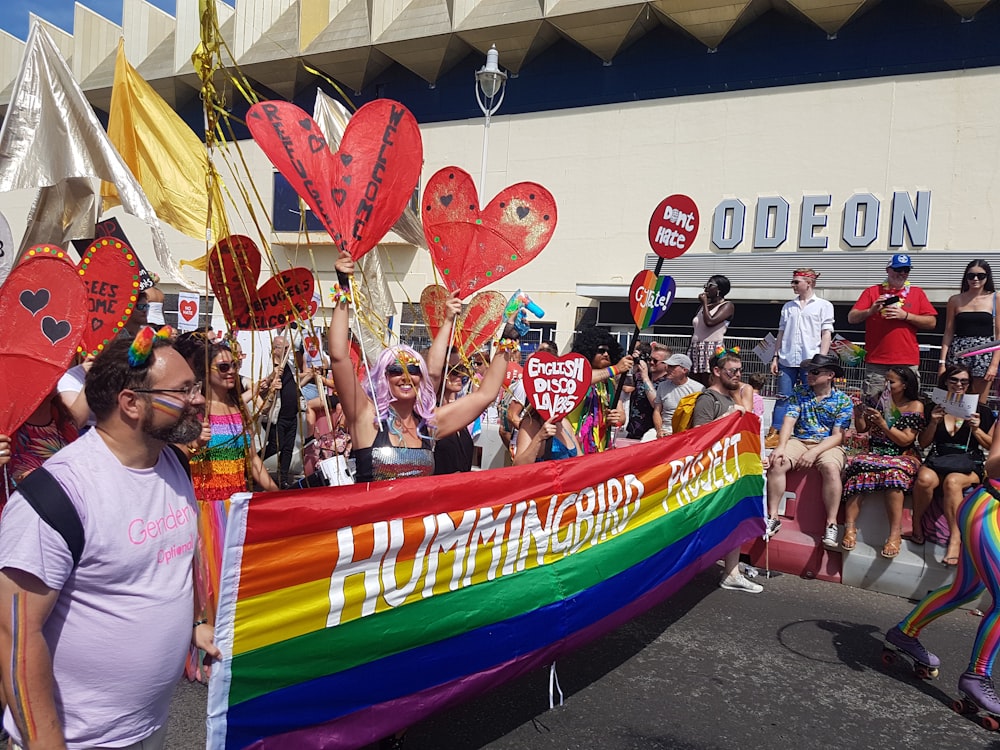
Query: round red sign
x=673 y=226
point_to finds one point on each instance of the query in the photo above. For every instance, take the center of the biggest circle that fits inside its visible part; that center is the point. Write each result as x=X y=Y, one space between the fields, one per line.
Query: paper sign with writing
x=473 y=247
x=650 y=297
x=233 y=267
x=958 y=405
x=765 y=349
x=360 y=191
x=556 y=385
x=110 y=272
x=43 y=313
x=673 y=226
x=850 y=353
x=188 y=311
x=110 y=228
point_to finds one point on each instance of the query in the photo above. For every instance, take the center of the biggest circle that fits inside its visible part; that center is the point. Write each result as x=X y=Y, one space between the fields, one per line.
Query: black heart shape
x=446 y=200
x=55 y=330
x=346 y=159
x=339 y=196
x=34 y=301
x=347 y=179
x=523 y=211
x=306 y=124
x=96 y=323
x=316 y=143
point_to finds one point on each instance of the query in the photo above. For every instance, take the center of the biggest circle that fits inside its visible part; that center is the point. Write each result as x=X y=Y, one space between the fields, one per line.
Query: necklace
x=902 y=293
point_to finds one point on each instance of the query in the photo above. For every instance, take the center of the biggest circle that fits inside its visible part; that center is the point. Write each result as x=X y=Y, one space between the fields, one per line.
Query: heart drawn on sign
x=43 y=314
x=233 y=268
x=188 y=309
x=473 y=247
x=556 y=385
x=362 y=190
x=474 y=326
x=110 y=273
x=650 y=297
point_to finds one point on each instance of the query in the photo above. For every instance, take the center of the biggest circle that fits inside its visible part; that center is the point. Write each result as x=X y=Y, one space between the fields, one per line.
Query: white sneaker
x=830 y=537
x=771 y=527
x=740 y=583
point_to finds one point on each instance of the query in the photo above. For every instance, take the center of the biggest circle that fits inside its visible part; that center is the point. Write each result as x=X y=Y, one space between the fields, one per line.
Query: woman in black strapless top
x=971 y=322
x=392 y=417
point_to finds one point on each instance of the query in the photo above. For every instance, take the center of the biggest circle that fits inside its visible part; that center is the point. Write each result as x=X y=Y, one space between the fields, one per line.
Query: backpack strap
x=53 y=506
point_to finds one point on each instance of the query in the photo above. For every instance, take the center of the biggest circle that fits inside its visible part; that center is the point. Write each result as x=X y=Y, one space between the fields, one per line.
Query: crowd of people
x=100 y=437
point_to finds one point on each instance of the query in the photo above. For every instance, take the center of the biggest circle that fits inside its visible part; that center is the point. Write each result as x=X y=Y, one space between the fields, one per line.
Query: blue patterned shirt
x=815 y=418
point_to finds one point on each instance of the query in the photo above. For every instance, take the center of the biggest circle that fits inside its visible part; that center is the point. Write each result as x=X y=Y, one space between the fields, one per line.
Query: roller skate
x=978 y=696
x=925 y=664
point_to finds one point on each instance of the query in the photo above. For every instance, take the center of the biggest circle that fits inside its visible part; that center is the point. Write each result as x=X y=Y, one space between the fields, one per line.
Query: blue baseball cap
x=900 y=260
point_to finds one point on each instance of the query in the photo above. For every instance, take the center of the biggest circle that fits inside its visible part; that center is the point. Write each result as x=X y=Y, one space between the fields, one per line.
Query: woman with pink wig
x=392 y=419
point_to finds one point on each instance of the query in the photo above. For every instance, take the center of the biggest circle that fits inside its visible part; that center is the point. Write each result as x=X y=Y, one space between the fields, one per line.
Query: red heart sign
x=43 y=315
x=110 y=273
x=233 y=267
x=476 y=325
x=472 y=247
x=556 y=385
x=360 y=191
x=187 y=309
x=650 y=297
x=673 y=226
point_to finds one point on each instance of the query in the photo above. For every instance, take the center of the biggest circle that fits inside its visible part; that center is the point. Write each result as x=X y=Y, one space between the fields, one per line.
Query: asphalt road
x=797 y=666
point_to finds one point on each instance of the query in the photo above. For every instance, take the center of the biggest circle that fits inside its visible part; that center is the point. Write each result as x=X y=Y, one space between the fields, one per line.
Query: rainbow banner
x=347 y=614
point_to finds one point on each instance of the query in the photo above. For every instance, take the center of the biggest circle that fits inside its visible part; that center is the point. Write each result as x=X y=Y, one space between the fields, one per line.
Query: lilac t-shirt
x=120 y=629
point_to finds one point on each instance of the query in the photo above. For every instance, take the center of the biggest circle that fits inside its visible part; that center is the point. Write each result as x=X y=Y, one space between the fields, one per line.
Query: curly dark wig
x=587 y=341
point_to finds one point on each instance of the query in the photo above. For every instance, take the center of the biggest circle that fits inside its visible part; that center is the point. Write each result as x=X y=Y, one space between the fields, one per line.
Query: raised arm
x=454 y=416
x=437 y=356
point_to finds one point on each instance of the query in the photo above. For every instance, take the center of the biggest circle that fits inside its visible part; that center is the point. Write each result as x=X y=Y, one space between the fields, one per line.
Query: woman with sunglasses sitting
x=971 y=321
x=953 y=442
x=392 y=417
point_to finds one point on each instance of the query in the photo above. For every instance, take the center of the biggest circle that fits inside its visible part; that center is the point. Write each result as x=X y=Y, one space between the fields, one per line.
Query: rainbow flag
x=347 y=614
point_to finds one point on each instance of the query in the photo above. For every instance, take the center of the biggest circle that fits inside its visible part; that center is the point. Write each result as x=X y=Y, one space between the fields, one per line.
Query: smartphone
x=890 y=300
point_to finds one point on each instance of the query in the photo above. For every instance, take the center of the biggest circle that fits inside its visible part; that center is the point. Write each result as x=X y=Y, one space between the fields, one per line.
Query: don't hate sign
x=555 y=386
x=673 y=226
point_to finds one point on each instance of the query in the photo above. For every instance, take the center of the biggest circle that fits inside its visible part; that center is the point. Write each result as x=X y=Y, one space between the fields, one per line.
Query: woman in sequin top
x=392 y=417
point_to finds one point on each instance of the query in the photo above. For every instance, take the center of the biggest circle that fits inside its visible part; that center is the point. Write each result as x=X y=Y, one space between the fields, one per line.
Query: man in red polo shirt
x=893 y=312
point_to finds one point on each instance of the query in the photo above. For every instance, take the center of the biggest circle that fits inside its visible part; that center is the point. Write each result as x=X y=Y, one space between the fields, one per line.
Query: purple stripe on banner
x=373 y=722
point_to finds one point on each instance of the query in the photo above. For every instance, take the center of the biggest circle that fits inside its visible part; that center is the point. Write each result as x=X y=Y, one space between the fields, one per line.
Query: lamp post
x=491 y=82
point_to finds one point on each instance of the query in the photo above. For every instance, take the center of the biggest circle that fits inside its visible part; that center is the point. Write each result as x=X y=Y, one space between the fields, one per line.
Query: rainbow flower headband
x=142 y=345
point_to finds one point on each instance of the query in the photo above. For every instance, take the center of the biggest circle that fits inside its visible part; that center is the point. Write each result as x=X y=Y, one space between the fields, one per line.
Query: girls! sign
x=556 y=385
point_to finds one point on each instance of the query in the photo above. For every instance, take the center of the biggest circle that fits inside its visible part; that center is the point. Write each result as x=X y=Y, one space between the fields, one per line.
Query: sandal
x=891 y=547
x=850 y=540
x=917 y=538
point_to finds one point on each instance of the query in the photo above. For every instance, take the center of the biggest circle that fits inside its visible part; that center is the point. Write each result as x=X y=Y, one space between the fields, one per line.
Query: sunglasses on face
x=141 y=306
x=817 y=371
x=971 y=276
x=459 y=372
x=903 y=271
x=602 y=350
x=733 y=371
x=959 y=381
x=223 y=367
x=397 y=369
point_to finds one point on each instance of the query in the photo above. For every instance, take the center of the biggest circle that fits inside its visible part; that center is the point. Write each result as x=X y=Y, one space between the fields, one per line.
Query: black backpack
x=53 y=505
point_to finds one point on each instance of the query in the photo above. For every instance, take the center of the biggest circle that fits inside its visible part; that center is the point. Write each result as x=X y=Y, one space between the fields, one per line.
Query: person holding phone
x=892 y=312
x=971 y=321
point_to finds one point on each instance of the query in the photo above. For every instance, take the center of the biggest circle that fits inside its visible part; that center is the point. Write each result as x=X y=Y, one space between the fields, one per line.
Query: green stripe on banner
x=336 y=649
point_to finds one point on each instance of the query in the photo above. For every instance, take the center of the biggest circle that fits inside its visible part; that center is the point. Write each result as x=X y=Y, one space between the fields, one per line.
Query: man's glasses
x=817 y=371
x=972 y=276
x=733 y=371
x=142 y=306
x=903 y=271
x=397 y=369
x=190 y=393
x=602 y=350
x=959 y=381
x=223 y=367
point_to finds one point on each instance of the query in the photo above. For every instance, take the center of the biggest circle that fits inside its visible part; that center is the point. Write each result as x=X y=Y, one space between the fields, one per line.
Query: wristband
x=940 y=361
x=202 y=621
x=611 y=372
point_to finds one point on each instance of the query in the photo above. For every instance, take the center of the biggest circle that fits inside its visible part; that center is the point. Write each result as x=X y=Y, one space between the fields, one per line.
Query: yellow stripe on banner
x=280 y=615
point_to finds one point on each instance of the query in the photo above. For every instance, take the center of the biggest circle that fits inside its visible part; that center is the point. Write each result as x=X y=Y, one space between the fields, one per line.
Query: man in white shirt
x=671 y=390
x=805 y=329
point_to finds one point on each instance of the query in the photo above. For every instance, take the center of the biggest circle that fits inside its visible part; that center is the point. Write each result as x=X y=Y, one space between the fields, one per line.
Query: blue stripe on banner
x=311 y=703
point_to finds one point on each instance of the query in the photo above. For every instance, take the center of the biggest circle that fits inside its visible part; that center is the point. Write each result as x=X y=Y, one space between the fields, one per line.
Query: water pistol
x=514 y=313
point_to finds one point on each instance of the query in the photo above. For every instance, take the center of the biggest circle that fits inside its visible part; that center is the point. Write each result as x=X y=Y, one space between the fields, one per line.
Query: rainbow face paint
x=167 y=406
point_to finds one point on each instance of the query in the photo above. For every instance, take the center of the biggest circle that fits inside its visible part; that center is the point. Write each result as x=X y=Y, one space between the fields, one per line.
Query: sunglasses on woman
x=959 y=381
x=223 y=367
x=602 y=350
x=459 y=372
x=397 y=369
x=973 y=276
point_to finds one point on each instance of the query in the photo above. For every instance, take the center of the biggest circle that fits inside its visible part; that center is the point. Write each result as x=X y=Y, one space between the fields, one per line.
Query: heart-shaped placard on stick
x=650 y=297
x=110 y=273
x=233 y=267
x=43 y=315
x=472 y=247
x=476 y=325
x=556 y=385
x=673 y=226
x=360 y=191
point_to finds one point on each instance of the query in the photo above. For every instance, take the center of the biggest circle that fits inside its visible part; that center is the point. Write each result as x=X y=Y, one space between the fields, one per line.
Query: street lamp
x=491 y=82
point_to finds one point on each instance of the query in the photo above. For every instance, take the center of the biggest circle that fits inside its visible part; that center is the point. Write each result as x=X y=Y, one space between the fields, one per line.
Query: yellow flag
x=164 y=154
